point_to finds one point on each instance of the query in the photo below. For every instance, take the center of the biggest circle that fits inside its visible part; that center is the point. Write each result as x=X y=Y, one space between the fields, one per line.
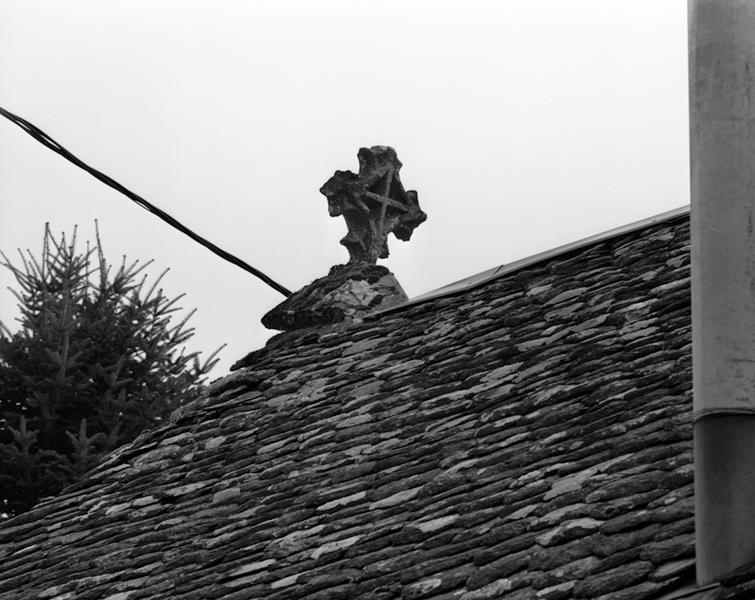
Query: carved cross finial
x=374 y=204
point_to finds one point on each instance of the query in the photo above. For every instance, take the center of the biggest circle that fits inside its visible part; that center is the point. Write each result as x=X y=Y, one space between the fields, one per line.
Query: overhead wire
x=50 y=143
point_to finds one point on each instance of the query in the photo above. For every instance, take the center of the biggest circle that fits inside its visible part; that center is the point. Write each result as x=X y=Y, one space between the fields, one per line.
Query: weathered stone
x=569 y=530
x=436 y=524
x=642 y=591
x=502 y=373
x=421 y=588
x=299 y=539
x=612 y=580
x=665 y=550
x=354 y=421
x=522 y=513
x=563 y=513
x=578 y=569
x=225 y=495
x=394 y=499
x=499 y=569
x=346 y=294
x=673 y=569
x=271 y=447
x=285 y=581
x=214 y=442
x=373 y=203
x=566 y=295
x=556 y=592
x=491 y=590
x=252 y=567
x=587 y=437
x=56 y=590
x=335 y=545
x=116 y=508
x=344 y=501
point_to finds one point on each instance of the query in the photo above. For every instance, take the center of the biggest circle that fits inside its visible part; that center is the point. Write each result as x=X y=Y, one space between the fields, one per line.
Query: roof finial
x=374 y=204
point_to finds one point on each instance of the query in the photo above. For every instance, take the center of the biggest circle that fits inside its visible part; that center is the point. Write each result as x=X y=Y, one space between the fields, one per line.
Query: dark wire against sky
x=46 y=140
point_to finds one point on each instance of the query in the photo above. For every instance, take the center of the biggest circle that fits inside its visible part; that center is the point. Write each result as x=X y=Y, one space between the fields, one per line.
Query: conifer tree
x=97 y=359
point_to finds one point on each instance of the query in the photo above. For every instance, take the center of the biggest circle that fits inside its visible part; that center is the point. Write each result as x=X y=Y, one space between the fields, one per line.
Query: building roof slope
x=530 y=438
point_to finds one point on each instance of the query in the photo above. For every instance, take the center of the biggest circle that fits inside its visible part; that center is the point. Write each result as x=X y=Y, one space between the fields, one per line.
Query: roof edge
x=484 y=277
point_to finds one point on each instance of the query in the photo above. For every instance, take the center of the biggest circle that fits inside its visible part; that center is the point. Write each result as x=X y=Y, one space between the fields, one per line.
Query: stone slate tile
x=529 y=438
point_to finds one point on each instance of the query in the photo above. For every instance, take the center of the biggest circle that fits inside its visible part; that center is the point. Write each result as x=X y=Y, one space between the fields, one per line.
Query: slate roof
x=529 y=438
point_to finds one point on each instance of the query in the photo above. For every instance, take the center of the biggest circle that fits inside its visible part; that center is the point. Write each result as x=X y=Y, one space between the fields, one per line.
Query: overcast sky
x=523 y=125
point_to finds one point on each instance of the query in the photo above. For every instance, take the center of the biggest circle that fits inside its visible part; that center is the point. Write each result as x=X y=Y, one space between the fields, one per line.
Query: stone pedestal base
x=347 y=293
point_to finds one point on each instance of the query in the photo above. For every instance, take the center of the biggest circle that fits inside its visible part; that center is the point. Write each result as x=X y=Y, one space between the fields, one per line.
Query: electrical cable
x=46 y=140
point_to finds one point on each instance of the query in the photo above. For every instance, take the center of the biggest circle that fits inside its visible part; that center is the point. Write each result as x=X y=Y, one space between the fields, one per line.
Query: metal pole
x=722 y=160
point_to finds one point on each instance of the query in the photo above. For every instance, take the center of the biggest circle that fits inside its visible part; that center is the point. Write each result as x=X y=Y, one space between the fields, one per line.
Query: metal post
x=722 y=156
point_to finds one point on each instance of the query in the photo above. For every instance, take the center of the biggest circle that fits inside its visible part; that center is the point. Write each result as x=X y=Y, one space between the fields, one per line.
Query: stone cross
x=374 y=204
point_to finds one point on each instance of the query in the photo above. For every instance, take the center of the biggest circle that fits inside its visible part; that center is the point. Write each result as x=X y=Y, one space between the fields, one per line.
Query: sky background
x=523 y=125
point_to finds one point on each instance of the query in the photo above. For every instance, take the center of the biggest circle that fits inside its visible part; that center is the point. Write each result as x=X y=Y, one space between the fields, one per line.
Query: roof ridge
x=488 y=275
